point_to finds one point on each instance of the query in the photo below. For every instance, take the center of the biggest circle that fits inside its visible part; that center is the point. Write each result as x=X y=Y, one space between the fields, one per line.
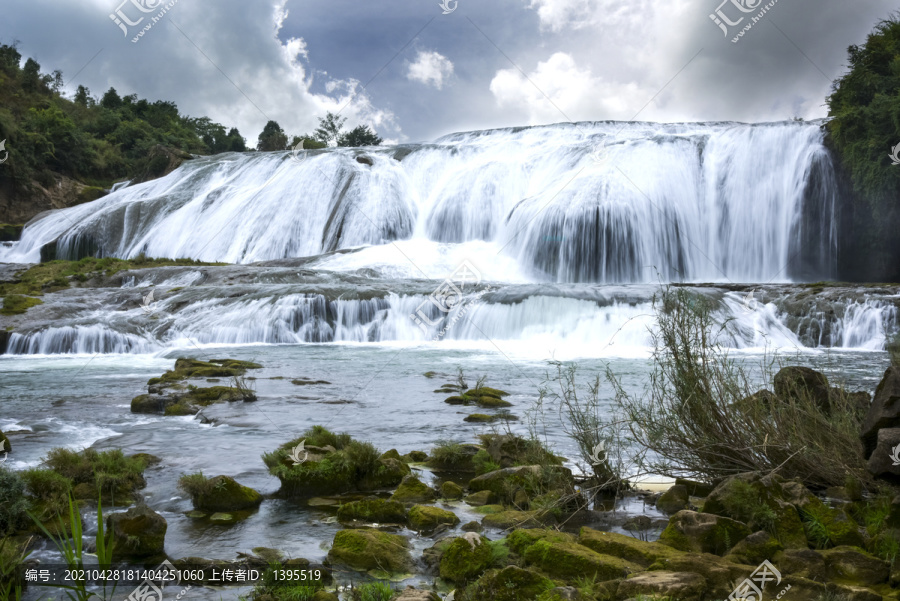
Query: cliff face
x=18 y=206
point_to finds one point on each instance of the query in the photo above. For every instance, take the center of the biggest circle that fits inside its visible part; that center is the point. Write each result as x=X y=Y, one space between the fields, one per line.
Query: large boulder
x=803 y=384
x=627 y=547
x=669 y=585
x=673 y=500
x=762 y=502
x=365 y=550
x=465 y=559
x=560 y=556
x=224 y=493
x=720 y=574
x=138 y=532
x=884 y=411
x=703 y=532
x=850 y=565
x=756 y=548
x=884 y=462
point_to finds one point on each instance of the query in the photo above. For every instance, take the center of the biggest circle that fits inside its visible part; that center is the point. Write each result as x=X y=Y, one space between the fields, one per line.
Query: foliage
x=271 y=589
x=49 y=490
x=449 y=454
x=864 y=107
x=374 y=591
x=244 y=387
x=359 y=136
x=12 y=556
x=329 y=130
x=700 y=414
x=12 y=501
x=195 y=485
x=109 y=472
x=73 y=552
x=90 y=140
x=484 y=463
x=271 y=138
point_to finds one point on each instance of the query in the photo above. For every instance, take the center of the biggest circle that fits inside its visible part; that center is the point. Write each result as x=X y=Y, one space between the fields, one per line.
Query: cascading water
x=680 y=202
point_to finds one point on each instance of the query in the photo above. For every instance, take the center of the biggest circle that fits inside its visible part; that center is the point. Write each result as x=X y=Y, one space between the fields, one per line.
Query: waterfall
x=678 y=202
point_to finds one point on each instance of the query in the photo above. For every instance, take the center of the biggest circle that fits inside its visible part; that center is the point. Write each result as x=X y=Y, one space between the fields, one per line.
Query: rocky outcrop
x=465 y=559
x=365 y=550
x=426 y=519
x=884 y=463
x=884 y=413
x=662 y=584
x=703 y=532
x=223 y=493
x=372 y=511
x=673 y=500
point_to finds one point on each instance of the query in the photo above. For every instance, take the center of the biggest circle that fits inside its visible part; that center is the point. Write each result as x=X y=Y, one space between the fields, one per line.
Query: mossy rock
x=507 y=520
x=17 y=304
x=763 y=503
x=89 y=194
x=452 y=491
x=458 y=400
x=415 y=457
x=532 y=479
x=412 y=490
x=479 y=418
x=626 y=547
x=179 y=410
x=138 y=532
x=372 y=511
x=569 y=561
x=481 y=498
x=720 y=575
x=465 y=559
x=365 y=550
x=756 y=548
x=703 y=532
x=491 y=402
x=225 y=494
x=509 y=584
x=186 y=368
x=424 y=518
x=324 y=596
x=389 y=472
x=673 y=500
x=85 y=492
x=5 y=445
x=10 y=232
x=486 y=391
x=827 y=527
x=315 y=478
x=683 y=586
x=520 y=540
x=853 y=566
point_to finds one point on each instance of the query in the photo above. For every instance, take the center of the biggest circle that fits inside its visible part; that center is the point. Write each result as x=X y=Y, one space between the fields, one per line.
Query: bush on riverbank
x=12 y=501
x=702 y=416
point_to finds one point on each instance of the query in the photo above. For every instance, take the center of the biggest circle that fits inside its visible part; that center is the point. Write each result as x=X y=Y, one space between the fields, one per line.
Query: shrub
x=700 y=414
x=12 y=501
x=109 y=472
x=484 y=463
x=375 y=591
x=449 y=454
x=50 y=491
x=195 y=485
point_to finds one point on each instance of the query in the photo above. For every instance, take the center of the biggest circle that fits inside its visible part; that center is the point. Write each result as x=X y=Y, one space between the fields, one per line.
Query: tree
x=362 y=135
x=58 y=81
x=272 y=138
x=111 y=100
x=31 y=76
x=309 y=142
x=330 y=129
x=236 y=142
x=82 y=95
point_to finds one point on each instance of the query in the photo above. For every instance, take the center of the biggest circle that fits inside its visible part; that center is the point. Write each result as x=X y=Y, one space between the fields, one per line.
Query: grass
x=49 y=491
x=17 y=304
x=195 y=485
x=110 y=472
x=375 y=591
x=12 y=501
x=449 y=455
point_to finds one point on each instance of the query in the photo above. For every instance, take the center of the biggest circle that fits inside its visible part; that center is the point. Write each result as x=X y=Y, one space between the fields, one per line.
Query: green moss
x=10 y=233
x=373 y=511
x=490 y=402
x=486 y=391
x=626 y=547
x=479 y=418
x=111 y=473
x=17 y=304
x=509 y=584
x=466 y=559
x=220 y=493
x=413 y=490
x=49 y=492
x=567 y=561
x=216 y=368
x=370 y=550
x=506 y=520
x=424 y=518
x=451 y=491
x=826 y=527
x=451 y=456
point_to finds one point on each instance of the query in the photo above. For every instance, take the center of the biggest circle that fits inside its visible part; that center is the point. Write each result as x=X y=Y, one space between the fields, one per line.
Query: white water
x=694 y=202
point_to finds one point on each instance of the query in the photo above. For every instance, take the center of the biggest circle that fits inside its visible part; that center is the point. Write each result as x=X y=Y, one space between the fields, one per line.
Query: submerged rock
x=138 y=532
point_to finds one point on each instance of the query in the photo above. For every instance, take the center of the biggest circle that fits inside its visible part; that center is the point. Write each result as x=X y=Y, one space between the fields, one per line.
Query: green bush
x=50 y=492
x=12 y=501
x=375 y=591
x=484 y=463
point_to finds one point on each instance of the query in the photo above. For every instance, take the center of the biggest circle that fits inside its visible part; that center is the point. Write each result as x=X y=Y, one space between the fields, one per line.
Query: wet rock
x=5 y=445
x=389 y=472
x=695 y=489
x=684 y=586
x=365 y=550
x=884 y=413
x=415 y=457
x=626 y=547
x=412 y=490
x=373 y=511
x=425 y=519
x=884 y=463
x=531 y=478
x=804 y=563
x=561 y=557
x=507 y=520
x=673 y=500
x=465 y=559
x=138 y=532
x=479 y=418
x=451 y=491
x=564 y=593
x=471 y=527
x=703 y=532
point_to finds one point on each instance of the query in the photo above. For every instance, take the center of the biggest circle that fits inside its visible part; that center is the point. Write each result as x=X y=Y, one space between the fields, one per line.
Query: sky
x=414 y=73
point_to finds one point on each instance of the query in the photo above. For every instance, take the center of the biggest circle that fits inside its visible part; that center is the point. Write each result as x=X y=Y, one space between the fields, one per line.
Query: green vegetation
x=863 y=130
x=12 y=501
x=218 y=494
x=374 y=591
x=97 y=141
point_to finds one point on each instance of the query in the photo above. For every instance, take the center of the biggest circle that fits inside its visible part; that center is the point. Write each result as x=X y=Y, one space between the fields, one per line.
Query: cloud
x=430 y=68
x=559 y=14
